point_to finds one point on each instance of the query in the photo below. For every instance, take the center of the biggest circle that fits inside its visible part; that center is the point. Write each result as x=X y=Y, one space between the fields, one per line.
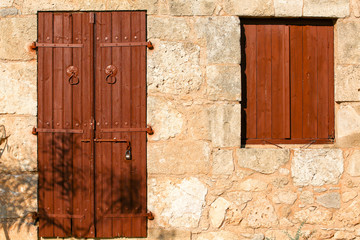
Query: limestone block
x=223 y=82
x=8 y=12
x=221 y=235
x=189 y=7
x=280 y=182
x=18 y=195
x=350 y=215
x=326 y=8
x=262 y=160
x=179 y=157
x=162 y=115
x=223 y=162
x=173 y=67
x=329 y=200
x=225 y=125
x=6 y=3
x=317 y=167
x=217 y=211
x=347 y=83
x=258 y=236
x=288 y=8
x=249 y=7
x=356 y=7
x=222 y=35
x=348 y=196
x=307 y=197
x=348 y=125
x=253 y=185
x=18 y=87
x=168 y=234
x=260 y=213
x=353 y=168
x=15 y=36
x=198 y=124
x=19 y=230
x=18 y=152
x=342 y=235
x=177 y=204
x=284 y=171
x=31 y=7
x=239 y=198
x=313 y=216
x=168 y=28
x=348 y=44
x=285 y=197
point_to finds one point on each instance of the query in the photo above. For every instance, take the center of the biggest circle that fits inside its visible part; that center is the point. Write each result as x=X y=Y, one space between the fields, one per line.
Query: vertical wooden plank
x=250 y=72
x=296 y=79
x=59 y=181
x=310 y=87
x=48 y=123
x=78 y=171
x=68 y=143
x=323 y=82
x=330 y=32
x=118 y=148
x=286 y=84
x=263 y=82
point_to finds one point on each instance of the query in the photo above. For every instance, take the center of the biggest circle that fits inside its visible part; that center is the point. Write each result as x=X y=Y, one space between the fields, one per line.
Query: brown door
x=91 y=113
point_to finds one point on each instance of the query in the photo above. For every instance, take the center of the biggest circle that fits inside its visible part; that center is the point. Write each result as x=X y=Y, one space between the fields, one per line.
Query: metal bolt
x=47 y=123
x=77 y=124
x=85 y=124
x=77 y=39
x=98 y=123
x=135 y=37
x=67 y=124
x=125 y=37
x=116 y=37
x=48 y=38
x=106 y=123
x=57 y=124
x=126 y=123
x=106 y=38
x=116 y=123
x=98 y=38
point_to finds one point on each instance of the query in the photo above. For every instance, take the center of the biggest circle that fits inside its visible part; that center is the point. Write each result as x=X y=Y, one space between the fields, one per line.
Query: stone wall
x=201 y=184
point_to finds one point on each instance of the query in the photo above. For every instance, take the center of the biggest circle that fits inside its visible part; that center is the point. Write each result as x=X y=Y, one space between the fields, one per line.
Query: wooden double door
x=92 y=124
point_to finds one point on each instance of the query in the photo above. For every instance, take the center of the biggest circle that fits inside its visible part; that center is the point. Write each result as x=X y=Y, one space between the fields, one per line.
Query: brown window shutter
x=288 y=76
x=86 y=186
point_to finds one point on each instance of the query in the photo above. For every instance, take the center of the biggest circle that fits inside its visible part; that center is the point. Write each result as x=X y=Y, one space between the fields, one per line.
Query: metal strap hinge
x=148 y=129
x=35 y=130
x=148 y=215
x=128 y=44
x=56 y=45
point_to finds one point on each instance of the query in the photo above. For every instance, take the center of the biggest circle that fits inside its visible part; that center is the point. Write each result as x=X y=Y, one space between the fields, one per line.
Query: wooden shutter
x=64 y=117
x=120 y=114
x=288 y=76
x=87 y=120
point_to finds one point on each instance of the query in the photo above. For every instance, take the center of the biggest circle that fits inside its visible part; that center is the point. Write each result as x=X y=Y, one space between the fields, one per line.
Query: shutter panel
x=64 y=114
x=120 y=104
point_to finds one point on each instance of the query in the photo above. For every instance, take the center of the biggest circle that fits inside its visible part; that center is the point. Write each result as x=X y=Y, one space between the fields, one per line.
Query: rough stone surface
x=18 y=87
x=8 y=12
x=188 y=7
x=222 y=35
x=6 y=3
x=346 y=83
x=18 y=152
x=259 y=236
x=353 y=168
x=223 y=162
x=168 y=28
x=221 y=235
x=18 y=195
x=262 y=160
x=253 y=185
x=177 y=204
x=356 y=7
x=249 y=7
x=329 y=200
x=23 y=32
x=288 y=8
x=225 y=125
x=348 y=46
x=348 y=125
x=178 y=157
x=350 y=215
x=280 y=182
x=198 y=124
x=285 y=197
x=164 y=118
x=239 y=198
x=173 y=67
x=217 y=211
x=168 y=234
x=326 y=8
x=348 y=196
x=260 y=213
x=312 y=216
x=23 y=229
x=342 y=235
x=306 y=197
x=317 y=166
x=31 y=7
x=223 y=82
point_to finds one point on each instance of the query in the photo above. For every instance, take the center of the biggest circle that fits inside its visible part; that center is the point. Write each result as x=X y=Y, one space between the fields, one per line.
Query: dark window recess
x=287 y=81
x=92 y=124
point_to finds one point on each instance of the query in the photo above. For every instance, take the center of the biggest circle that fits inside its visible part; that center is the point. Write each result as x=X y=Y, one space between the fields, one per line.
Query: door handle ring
x=110 y=72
